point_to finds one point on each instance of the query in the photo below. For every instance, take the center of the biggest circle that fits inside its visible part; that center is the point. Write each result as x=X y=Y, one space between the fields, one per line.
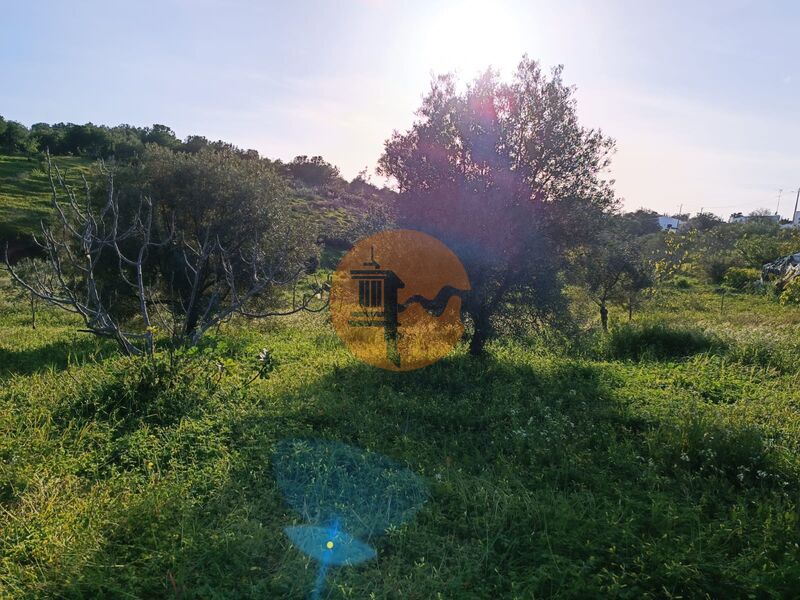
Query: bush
x=657 y=341
x=741 y=278
x=715 y=268
x=158 y=391
x=791 y=292
x=682 y=283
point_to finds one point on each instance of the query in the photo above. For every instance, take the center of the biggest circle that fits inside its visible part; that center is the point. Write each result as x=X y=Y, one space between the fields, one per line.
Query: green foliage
x=613 y=267
x=657 y=341
x=14 y=137
x=704 y=221
x=716 y=267
x=682 y=283
x=641 y=222
x=741 y=279
x=122 y=142
x=505 y=175
x=757 y=249
x=669 y=253
x=791 y=292
x=314 y=171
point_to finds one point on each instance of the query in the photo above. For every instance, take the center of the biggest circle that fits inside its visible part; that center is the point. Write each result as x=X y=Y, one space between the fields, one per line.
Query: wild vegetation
x=625 y=425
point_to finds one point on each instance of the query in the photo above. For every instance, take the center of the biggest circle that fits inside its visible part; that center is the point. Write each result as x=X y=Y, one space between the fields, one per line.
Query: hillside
x=25 y=193
x=25 y=201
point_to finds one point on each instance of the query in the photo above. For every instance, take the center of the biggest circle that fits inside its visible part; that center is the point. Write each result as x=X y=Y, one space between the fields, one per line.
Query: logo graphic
x=396 y=300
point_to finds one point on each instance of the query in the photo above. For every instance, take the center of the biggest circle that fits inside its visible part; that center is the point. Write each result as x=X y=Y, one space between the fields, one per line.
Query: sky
x=702 y=98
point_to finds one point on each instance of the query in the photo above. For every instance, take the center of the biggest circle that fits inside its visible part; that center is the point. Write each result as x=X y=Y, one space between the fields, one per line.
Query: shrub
x=715 y=268
x=741 y=278
x=791 y=292
x=657 y=341
x=158 y=391
x=682 y=283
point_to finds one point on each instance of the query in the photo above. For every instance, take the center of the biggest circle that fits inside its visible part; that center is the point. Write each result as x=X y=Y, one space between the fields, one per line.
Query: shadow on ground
x=56 y=355
x=536 y=491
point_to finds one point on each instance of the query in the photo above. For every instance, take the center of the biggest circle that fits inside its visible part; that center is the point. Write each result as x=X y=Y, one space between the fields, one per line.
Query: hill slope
x=25 y=192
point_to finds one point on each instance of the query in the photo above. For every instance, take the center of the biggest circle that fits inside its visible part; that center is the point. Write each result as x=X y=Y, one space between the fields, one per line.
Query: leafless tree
x=87 y=234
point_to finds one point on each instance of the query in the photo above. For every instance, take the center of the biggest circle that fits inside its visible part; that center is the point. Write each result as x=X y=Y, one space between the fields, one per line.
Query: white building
x=669 y=223
x=740 y=218
x=795 y=222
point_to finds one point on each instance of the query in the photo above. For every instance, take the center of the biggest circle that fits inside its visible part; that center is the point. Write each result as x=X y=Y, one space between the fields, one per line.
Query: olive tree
x=504 y=174
x=612 y=267
x=189 y=241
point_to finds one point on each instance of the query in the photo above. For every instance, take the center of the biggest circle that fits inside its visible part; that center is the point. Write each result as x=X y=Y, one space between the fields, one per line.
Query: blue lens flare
x=329 y=546
x=346 y=496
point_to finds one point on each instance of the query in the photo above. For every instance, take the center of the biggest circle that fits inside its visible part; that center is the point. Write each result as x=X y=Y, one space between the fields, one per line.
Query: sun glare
x=468 y=37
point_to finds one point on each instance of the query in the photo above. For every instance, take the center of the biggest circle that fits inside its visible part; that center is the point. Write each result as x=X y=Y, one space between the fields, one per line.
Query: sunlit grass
x=25 y=194
x=551 y=475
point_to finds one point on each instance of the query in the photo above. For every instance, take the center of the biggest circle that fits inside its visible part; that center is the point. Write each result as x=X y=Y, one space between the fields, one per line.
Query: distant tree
x=194 y=144
x=47 y=137
x=14 y=137
x=127 y=142
x=641 y=222
x=88 y=140
x=503 y=174
x=703 y=221
x=314 y=171
x=761 y=212
x=161 y=135
x=639 y=279
x=613 y=268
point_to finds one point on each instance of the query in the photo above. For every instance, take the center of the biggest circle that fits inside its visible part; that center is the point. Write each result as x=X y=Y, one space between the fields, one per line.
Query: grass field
x=552 y=473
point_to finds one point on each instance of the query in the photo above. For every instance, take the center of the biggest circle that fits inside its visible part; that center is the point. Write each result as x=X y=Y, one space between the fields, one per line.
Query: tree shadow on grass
x=456 y=416
x=535 y=491
x=56 y=355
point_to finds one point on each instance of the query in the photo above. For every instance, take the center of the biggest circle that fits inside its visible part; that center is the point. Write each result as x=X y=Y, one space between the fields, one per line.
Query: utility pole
x=777 y=208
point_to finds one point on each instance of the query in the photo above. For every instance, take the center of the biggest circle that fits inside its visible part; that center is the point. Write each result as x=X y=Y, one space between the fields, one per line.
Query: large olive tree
x=505 y=175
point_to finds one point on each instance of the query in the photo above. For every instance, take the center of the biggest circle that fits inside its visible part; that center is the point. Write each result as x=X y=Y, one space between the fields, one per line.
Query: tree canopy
x=505 y=175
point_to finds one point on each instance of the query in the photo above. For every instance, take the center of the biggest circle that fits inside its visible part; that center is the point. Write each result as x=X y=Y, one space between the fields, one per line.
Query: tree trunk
x=33 y=311
x=480 y=336
x=604 y=316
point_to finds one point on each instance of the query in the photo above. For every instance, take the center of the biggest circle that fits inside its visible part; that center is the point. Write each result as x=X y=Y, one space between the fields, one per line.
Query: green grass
x=25 y=195
x=662 y=460
x=550 y=475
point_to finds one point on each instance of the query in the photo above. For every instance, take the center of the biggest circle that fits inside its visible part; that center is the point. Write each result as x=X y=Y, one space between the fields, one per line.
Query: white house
x=795 y=222
x=669 y=223
x=740 y=218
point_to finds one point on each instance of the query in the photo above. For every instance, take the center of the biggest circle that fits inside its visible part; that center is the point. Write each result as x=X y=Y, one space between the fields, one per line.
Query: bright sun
x=470 y=36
